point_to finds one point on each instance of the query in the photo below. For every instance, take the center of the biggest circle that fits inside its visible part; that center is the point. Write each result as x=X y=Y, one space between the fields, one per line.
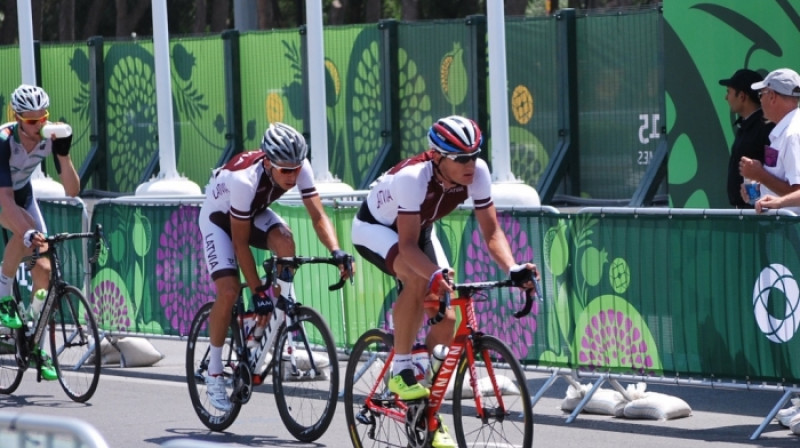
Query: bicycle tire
x=10 y=373
x=74 y=344
x=367 y=360
x=514 y=428
x=306 y=397
x=197 y=352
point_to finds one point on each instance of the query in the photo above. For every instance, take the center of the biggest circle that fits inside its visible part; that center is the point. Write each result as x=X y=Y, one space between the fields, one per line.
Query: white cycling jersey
x=243 y=188
x=412 y=187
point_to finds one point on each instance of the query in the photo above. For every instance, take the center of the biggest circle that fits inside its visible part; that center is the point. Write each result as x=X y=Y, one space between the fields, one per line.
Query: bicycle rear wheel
x=506 y=402
x=197 y=358
x=372 y=427
x=10 y=373
x=74 y=344
x=306 y=377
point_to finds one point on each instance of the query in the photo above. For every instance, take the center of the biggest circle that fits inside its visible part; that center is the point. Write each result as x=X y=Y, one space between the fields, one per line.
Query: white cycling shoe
x=217 y=393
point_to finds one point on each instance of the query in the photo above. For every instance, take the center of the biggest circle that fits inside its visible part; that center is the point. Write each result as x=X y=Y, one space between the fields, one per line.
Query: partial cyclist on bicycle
x=394 y=231
x=22 y=149
x=236 y=215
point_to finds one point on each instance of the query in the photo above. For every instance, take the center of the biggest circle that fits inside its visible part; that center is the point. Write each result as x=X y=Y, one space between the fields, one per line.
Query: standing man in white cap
x=780 y=173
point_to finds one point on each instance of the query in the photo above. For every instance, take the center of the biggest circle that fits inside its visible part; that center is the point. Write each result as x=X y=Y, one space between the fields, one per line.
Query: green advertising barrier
x=649 y=292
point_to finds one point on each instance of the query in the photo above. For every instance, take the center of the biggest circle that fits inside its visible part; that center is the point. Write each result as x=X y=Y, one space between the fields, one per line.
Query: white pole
x=507 y=190
x=316 y=91
x=25 y=24
x=498 y=91
x=168 y=182
x=166 y=129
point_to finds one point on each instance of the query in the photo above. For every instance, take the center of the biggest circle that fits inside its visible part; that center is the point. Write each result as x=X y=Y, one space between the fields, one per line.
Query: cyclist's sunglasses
x=463 y=158
x=288 y=169
x=33 y=121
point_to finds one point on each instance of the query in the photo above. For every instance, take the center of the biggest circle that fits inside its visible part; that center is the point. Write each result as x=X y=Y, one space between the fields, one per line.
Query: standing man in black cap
x=752 y=131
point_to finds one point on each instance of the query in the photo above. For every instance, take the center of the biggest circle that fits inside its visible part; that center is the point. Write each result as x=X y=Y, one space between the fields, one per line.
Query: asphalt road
x=150 y=407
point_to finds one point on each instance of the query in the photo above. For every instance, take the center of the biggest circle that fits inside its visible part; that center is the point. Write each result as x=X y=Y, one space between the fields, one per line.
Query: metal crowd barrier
x=28 y=430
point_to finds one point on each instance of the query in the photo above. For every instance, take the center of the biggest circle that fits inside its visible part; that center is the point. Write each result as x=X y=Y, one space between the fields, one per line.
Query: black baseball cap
x=742 y=80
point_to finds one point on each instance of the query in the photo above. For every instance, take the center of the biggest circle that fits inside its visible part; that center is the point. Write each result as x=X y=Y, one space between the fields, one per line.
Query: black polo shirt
x=752 y=135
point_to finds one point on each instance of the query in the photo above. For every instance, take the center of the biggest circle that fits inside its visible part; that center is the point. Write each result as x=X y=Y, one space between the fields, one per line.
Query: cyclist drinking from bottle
x=236 y=215
x=22 y=149
x=394 y=231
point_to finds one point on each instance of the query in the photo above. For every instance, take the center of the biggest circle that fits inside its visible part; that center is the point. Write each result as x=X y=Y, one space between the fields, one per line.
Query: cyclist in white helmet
x=394 y=231
x=22 y=149
x=236 y=215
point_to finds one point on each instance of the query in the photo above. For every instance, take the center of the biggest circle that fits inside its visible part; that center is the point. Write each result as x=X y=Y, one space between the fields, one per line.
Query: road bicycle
x=67 y=318
x=297 y=348
x=490 y=398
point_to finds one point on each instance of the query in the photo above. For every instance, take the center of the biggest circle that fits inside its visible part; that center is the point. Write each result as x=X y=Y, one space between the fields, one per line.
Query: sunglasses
x=287 y=169
x=762 y=92
x=33 y=121
x=463 y=158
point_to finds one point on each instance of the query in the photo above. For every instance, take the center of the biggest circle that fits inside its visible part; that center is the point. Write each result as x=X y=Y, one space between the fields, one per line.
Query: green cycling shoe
x=8 y=313
x=406 y=387
x=48 y=371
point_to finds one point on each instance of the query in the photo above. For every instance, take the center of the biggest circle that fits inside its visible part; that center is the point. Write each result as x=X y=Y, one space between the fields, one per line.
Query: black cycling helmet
x=284 y=145
x=27 y=98
x=454 y=135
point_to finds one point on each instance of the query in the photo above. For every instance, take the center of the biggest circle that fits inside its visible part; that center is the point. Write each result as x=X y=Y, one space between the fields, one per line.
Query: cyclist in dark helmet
x=236 y=215
x=394 y=230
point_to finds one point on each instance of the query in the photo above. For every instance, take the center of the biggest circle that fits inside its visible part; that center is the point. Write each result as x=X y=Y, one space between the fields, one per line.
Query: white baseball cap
x=784 y=81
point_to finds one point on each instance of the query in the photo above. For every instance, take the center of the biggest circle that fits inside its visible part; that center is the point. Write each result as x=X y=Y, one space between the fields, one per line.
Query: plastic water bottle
x=37 y=302
x=753 y=190
x=437 y=357
x=61 y=130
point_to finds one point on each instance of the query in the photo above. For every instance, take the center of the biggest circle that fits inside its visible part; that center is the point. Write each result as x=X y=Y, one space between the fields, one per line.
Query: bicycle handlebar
x=270 y=265
x=58 y=238
x=469 y=289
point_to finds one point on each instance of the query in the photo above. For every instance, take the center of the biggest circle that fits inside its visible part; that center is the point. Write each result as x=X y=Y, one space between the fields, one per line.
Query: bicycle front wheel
x=197 y=359
x=373 y=416
x=306 y=377
x=502 y=397
x=75 y=344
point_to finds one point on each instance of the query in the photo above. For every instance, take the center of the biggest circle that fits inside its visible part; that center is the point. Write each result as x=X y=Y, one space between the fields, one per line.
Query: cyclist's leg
x=40 y=274
x=14 y=218
x=441 y=333
x=223 y=269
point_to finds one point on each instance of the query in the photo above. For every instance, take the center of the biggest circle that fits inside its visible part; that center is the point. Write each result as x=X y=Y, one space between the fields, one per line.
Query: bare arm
x=69 y=176
x=322 y=224
x=408 y=230
x=495 y=238
x=12 y=216
x=753 y=169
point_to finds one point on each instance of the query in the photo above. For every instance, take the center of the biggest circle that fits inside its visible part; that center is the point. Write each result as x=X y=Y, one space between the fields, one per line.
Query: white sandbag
x=657 y=406
x=794 y=423
x=606 y=402
x=602 y=402
x=785 y=416
x=321 y=360
x=574 y=396
x=109 y=355
x=138 y=352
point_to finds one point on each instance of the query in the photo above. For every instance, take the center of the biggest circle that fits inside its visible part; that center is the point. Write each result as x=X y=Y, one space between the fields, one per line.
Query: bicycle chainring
x=242 y=383
x=417 y=424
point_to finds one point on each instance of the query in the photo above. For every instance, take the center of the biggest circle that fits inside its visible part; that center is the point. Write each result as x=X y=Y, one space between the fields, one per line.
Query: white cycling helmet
x=27 y=98
x=284 y=145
